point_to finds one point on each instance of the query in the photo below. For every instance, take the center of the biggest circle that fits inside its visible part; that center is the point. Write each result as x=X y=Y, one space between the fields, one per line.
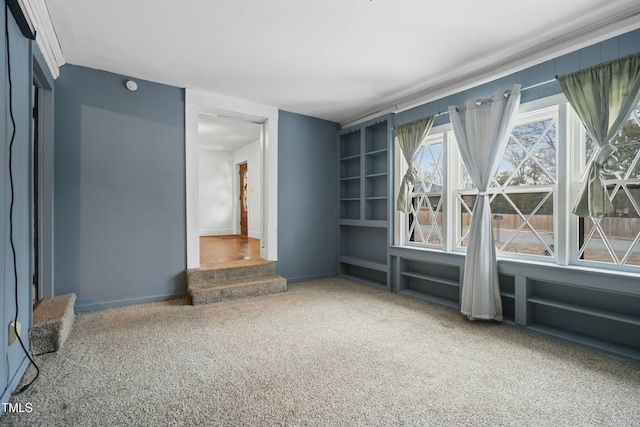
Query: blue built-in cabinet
x=365 y=201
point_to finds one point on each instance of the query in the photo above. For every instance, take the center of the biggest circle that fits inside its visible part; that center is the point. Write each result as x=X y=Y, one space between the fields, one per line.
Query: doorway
x=35 y=217
x=198 y=103
x=41 y=185
x=229 y=189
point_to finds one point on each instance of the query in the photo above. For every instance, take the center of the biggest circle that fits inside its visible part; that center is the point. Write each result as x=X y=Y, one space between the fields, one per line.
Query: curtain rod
x=442 y=113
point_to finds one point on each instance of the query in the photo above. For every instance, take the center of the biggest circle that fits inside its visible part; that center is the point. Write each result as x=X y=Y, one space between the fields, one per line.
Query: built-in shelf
x=565 y=303
x=430 y=281
x=598 y=344
x=363 y=223
x=632 y=320
x=586 y=313
x=377 y=152
x=431 y=278
x=376 y=175
x=354 y=157
x=364 y=188
x=431 y=298
x=359 y=278
x=364 y=262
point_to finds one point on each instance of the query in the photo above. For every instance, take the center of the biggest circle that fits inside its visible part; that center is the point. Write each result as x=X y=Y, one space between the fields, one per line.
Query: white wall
x=251 y=155
x=216 y=182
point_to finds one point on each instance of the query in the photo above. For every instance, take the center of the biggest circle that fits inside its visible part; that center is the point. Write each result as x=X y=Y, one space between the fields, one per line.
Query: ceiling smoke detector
x=131 y=85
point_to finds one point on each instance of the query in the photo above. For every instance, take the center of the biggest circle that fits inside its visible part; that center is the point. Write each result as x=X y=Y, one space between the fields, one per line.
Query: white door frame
x=201 y=102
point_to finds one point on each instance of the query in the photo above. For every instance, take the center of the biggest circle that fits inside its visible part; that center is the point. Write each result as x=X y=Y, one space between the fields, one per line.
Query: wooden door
x=244 y=199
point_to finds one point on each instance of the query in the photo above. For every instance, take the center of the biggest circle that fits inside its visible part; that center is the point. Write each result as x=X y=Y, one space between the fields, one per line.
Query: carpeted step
x=237 y=290
x=203 y=278
x=229 y=282
x=52 y=322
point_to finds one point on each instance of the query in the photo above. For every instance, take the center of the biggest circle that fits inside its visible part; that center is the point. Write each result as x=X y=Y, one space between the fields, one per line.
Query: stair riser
x=207 y=296
x=49 y=333
x=198 y=279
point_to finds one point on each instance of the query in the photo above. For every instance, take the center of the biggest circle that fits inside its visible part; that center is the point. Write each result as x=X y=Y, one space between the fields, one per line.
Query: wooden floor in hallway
x=225 y=251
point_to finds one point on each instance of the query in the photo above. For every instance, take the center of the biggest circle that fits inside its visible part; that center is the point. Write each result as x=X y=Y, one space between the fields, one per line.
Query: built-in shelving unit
x=433 y=281
x=594 y=309
x=594 y=317
x=350 y=182
x=364 y=213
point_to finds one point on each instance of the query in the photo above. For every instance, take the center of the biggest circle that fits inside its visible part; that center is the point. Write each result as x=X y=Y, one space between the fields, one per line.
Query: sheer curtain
x=410 y=137
x=482 y=128
x=603 y=96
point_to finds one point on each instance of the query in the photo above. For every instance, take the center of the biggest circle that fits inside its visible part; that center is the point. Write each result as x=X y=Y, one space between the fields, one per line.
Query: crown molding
x=605 y=28
x=39 y=20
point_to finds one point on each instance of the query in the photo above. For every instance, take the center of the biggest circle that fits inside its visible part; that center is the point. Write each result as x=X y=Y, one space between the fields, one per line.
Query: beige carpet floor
x=327 y=352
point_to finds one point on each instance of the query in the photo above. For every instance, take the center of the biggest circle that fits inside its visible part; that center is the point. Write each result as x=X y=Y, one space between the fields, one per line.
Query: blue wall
x=307 y=197
x=14 y=361
x=614 y=48
x=119 y=190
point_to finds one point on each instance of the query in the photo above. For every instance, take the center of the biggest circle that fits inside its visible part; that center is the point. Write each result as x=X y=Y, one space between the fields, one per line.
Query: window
x=615 y=238
x=522 y=190
x=532 y=193
x=425 y=218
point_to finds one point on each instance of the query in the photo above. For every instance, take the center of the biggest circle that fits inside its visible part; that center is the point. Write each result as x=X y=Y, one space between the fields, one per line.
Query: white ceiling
x=224 y=134
x=333 y=59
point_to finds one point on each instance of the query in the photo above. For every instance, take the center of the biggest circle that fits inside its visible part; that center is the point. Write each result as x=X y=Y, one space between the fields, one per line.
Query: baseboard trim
x=311 y=277
x=13 y=383
x=80 y=308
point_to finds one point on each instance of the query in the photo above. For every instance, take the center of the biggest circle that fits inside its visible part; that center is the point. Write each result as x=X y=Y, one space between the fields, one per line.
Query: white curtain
x=482 y=128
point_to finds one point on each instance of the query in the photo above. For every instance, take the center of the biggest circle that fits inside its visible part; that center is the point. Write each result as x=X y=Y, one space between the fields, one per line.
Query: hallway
x=218 y=251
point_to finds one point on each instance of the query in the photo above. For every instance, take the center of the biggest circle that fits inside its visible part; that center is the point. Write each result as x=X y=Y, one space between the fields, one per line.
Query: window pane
x=426 y=224
x=628 y=144
x=466 y=207
x=522 y=222
x=429 y=162
x=425 y=219
x=466 y=183
x=615 y=238
x=530 y=156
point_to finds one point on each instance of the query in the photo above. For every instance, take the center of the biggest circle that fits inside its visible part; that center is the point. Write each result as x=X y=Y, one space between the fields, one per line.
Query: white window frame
x=433 y=137
x=576 y=177
x=570 y=155
x=400 y=237
x=527 y=113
